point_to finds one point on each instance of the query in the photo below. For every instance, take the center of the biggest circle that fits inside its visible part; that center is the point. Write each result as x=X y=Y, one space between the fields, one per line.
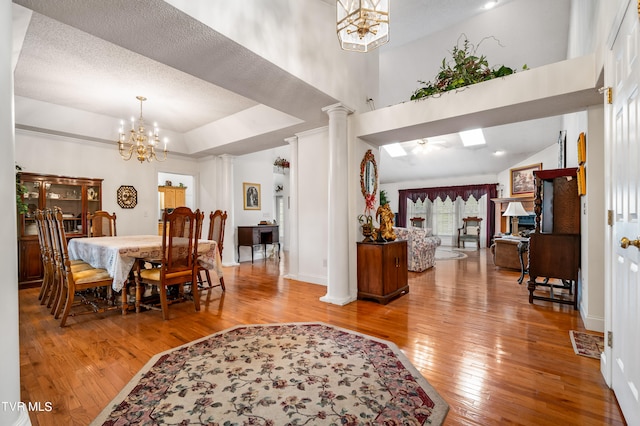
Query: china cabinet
x=75 y=196
x=382 y=270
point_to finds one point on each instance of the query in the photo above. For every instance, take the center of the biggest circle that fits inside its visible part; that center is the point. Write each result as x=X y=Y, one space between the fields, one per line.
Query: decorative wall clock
x=127 y=197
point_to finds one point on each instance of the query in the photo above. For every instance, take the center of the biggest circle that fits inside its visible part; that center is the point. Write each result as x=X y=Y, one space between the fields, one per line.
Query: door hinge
x=609 y=92
x=610 y=217
x=610 y=339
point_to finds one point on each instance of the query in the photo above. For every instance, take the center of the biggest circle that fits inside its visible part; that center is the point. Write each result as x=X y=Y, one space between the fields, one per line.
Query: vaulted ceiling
x=91 y=55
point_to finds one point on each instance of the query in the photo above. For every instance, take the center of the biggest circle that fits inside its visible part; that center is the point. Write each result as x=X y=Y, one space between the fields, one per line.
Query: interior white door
x=623 y=74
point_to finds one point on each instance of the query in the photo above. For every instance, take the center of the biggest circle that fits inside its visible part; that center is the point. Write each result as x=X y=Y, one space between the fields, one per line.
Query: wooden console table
x=258 y=235
x=382 y=270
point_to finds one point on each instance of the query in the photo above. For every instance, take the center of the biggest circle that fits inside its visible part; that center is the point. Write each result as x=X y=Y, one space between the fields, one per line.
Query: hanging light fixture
x=362 y=25
x=143 y=144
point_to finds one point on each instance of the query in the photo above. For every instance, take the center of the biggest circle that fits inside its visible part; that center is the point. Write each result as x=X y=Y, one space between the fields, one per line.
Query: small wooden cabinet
x=75 y=196
x=382 y=270
x=174 y=196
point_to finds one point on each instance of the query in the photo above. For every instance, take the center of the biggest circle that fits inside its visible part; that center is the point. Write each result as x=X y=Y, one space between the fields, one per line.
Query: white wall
x=10 y=354
x=298 y=36
x=41 y=153
x=255 y=168
x=516 y=26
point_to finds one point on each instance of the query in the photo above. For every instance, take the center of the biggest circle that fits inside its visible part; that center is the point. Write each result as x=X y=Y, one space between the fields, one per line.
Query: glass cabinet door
x=32 y=200
x=69 y=199
x=93 y=199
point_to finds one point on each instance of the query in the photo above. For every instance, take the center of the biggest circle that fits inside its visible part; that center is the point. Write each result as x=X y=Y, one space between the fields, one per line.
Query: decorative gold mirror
x=369 y=179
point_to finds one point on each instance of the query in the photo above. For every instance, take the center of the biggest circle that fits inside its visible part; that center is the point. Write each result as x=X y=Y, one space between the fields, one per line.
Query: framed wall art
x=582 y=148
x=522 y=181
x=127 y=197
x=251 y=195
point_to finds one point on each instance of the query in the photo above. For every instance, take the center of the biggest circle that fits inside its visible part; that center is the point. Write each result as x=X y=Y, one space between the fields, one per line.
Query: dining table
x=119 y=254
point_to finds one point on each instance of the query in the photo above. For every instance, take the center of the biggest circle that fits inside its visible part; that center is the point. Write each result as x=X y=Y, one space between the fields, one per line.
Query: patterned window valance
x=453 y=192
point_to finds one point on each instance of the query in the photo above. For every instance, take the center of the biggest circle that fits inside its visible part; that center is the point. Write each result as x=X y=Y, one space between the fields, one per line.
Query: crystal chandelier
x=143 y=144
x=362 y=25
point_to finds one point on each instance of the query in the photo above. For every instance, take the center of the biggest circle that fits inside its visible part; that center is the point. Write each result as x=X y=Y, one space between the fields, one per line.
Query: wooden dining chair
x=102 y=224
x=77 y=279
x=46 y=254
x=55 y=291
x=217 y=221
x=470 y=231
x=179 y=263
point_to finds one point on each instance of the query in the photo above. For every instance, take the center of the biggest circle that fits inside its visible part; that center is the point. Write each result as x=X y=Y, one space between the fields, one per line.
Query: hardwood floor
x=467 y=327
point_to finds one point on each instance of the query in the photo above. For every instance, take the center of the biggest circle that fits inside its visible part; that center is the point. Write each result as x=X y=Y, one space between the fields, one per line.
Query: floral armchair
x=421 y=247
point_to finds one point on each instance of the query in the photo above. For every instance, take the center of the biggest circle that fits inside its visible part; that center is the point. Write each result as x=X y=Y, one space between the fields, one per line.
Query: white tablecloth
x=118 y=254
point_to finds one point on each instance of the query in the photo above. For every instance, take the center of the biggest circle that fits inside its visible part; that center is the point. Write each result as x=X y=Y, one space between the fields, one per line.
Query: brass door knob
x=625 y=242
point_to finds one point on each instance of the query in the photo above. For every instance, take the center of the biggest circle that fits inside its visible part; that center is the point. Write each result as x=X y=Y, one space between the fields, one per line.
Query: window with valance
x=452 y=192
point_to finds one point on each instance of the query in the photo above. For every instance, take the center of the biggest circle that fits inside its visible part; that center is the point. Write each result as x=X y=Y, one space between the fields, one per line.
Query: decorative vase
x=367 y=231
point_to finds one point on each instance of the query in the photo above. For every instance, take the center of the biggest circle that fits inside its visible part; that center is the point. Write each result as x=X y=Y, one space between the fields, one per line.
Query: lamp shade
x=515 y=208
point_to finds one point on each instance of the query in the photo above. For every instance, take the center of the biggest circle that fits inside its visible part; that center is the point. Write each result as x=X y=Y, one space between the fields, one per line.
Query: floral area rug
x=278 y=374
x=586 y=344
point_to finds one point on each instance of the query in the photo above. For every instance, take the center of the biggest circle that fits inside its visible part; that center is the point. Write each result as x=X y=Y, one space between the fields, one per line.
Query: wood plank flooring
x=466 y=326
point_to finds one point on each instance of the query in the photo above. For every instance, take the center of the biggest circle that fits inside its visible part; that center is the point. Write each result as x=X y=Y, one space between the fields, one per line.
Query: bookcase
x=554 y=247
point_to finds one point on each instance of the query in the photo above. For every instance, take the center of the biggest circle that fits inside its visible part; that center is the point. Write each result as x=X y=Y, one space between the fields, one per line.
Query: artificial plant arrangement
x=21 y=191
x=463 y=69
x=383 y=197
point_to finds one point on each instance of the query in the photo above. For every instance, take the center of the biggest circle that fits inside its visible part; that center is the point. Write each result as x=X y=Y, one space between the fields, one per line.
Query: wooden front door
x=622 y=302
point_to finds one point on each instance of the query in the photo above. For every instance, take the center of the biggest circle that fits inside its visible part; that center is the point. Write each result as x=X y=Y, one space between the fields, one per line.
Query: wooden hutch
x=75 y=196
x=554 y=247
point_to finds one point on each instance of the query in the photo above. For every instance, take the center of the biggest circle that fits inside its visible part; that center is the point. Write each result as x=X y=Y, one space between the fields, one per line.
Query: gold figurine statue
x=385 y=217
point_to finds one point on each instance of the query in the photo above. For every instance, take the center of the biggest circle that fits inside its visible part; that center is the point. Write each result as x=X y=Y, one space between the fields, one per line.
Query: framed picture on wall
x=251 y=196
x=522 y=182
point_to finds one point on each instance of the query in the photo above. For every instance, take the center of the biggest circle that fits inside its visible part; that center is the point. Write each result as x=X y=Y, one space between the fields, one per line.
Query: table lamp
x=515 y=209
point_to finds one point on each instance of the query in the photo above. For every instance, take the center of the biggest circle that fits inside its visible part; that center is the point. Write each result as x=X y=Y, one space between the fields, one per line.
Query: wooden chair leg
x=195 y=293
x=222 y=284
x=55 y=297
x=67 y=308
x=163 y=302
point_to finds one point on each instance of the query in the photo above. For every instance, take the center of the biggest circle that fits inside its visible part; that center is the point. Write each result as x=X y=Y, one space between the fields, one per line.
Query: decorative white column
x=10 y=354
x=225 y=200
x=338 y=289
x=293 y=209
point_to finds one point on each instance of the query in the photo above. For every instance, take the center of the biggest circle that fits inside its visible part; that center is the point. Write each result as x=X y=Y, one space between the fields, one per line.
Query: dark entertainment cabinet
x=382 y=270
x=554 y=247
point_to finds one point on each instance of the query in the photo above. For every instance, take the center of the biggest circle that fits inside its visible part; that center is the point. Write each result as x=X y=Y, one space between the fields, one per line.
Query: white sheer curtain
x=458 y=214
x=482 y=212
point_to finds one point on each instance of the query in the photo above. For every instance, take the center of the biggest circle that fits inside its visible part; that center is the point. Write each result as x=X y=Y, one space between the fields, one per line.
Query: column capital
x=339 y=107
x=291 y=140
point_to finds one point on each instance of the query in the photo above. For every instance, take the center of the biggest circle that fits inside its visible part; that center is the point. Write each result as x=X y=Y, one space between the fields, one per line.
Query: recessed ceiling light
x=395 y=150
x=490 y=4
x=472 y=137
x=499 y=152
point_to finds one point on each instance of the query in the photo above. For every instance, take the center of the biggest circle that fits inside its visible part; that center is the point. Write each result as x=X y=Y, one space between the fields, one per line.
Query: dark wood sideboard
x=258 y=235
x=382 y=270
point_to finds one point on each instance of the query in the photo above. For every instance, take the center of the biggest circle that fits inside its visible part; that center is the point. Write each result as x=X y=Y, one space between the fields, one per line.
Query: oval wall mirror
x=369 y=177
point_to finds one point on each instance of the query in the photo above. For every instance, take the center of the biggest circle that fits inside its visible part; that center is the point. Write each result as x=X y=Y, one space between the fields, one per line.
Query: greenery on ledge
x=463 y=69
